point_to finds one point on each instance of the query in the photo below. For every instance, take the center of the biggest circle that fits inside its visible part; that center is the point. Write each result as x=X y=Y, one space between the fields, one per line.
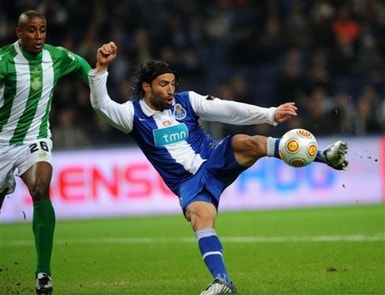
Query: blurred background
x=326 y=55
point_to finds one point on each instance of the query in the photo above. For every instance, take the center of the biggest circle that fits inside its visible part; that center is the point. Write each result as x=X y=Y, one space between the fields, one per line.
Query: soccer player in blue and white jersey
x=165 y=125
x=29 y=71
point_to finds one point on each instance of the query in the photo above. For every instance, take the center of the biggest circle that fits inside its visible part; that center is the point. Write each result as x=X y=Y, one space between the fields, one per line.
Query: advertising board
x=121 y=182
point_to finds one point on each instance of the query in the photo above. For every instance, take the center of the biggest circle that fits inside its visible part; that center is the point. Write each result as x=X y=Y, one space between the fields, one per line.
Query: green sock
x=43 y=226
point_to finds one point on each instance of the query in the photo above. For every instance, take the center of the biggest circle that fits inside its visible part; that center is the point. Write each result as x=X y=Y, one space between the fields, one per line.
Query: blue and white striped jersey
x=173 y=140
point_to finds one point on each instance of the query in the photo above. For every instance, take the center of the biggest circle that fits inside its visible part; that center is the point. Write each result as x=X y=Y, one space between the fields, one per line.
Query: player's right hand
x=105 y=54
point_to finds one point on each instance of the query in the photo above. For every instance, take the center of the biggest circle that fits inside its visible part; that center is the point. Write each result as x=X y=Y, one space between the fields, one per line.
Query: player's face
x=32 y=34
x=160 y=93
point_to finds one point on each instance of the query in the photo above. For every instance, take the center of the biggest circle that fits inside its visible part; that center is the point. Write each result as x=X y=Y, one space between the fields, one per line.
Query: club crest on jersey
x=36 y=83
x=179 y=112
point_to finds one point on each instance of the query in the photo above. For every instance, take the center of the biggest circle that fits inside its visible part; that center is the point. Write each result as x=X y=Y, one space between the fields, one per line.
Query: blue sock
x=320 y=157
x=211 y=250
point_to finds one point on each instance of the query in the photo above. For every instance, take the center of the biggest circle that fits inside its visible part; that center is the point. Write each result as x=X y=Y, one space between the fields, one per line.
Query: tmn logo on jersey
x=170 y=135
x=36 y=83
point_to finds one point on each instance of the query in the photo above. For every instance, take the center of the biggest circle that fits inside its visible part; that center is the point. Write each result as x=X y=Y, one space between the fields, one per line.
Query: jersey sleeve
x=82 y=68
x=211 y=108
x=4 y=57
x=71 y=62
x=2 y=72
x=120 y=116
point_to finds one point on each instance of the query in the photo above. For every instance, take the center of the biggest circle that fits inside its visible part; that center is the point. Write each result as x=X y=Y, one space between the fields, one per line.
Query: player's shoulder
x=59 y=51
x=7 y=51
x=186 y=95
x=192 y=96
x=6 y=48
x=182 y=98
x=181 y=95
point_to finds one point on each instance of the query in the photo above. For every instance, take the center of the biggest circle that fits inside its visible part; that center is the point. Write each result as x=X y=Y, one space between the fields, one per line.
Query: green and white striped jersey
x=27 y=83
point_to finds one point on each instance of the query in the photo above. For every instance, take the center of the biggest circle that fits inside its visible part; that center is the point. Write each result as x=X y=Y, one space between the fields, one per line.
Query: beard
x=161 y=104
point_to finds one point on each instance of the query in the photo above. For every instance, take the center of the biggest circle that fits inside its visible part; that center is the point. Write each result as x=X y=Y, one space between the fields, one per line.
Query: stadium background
x=327 y=56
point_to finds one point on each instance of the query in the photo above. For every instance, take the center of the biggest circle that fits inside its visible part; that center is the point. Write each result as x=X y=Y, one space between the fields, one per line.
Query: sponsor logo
x=166 y=123
x=170 y=135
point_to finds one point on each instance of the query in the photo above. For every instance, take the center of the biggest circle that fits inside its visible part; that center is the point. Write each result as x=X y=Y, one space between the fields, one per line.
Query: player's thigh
x=248 y=149
x=38 y=151
x=39 y=174
x=36 y=167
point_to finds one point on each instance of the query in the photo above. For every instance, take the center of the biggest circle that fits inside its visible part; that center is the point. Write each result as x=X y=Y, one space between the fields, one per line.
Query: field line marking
x=244 y=239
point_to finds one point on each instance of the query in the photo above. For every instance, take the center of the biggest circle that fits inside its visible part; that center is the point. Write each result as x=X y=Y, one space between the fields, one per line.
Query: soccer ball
x=298 y=147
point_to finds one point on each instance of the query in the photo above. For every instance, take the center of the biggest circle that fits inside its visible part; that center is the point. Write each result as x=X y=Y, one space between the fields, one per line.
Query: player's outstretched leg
x=218 y=287
x=333 y=155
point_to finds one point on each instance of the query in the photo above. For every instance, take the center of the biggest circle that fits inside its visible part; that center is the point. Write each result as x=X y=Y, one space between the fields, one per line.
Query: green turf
x=299 y=251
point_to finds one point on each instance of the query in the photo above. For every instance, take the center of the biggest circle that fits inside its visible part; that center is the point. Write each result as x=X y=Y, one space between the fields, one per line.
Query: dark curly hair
x=149 y=72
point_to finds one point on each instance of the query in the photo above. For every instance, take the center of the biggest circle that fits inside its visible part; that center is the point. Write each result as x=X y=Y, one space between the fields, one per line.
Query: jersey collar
x=27 y=55
x=149 y=112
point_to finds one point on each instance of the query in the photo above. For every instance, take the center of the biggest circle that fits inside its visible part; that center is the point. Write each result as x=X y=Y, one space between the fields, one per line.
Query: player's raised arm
x=105 y=55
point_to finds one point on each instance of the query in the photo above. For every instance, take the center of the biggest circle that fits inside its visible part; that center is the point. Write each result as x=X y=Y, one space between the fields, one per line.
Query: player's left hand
x=285 y=112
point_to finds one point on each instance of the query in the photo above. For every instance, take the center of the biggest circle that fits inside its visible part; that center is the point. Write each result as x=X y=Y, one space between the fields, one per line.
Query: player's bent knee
x=39 y=191
x=248 y=149
x=255 y=145
x=259 y=144
x=201 y=215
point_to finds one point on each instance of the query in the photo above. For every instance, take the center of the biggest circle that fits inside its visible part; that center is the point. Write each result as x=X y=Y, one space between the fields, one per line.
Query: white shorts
x=22 y=157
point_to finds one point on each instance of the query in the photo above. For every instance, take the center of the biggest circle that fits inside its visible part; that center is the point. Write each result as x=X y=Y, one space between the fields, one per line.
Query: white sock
x=272 y=147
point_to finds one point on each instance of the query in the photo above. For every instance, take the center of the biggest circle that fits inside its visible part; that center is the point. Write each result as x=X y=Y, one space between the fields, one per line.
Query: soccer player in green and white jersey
x=29 y=71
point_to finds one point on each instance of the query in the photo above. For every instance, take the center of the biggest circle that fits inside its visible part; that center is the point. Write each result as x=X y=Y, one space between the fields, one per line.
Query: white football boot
x=335 y=155
x=218 y=287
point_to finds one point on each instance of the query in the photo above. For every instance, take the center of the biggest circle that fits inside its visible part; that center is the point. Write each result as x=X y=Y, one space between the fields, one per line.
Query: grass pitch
x=295 y=251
